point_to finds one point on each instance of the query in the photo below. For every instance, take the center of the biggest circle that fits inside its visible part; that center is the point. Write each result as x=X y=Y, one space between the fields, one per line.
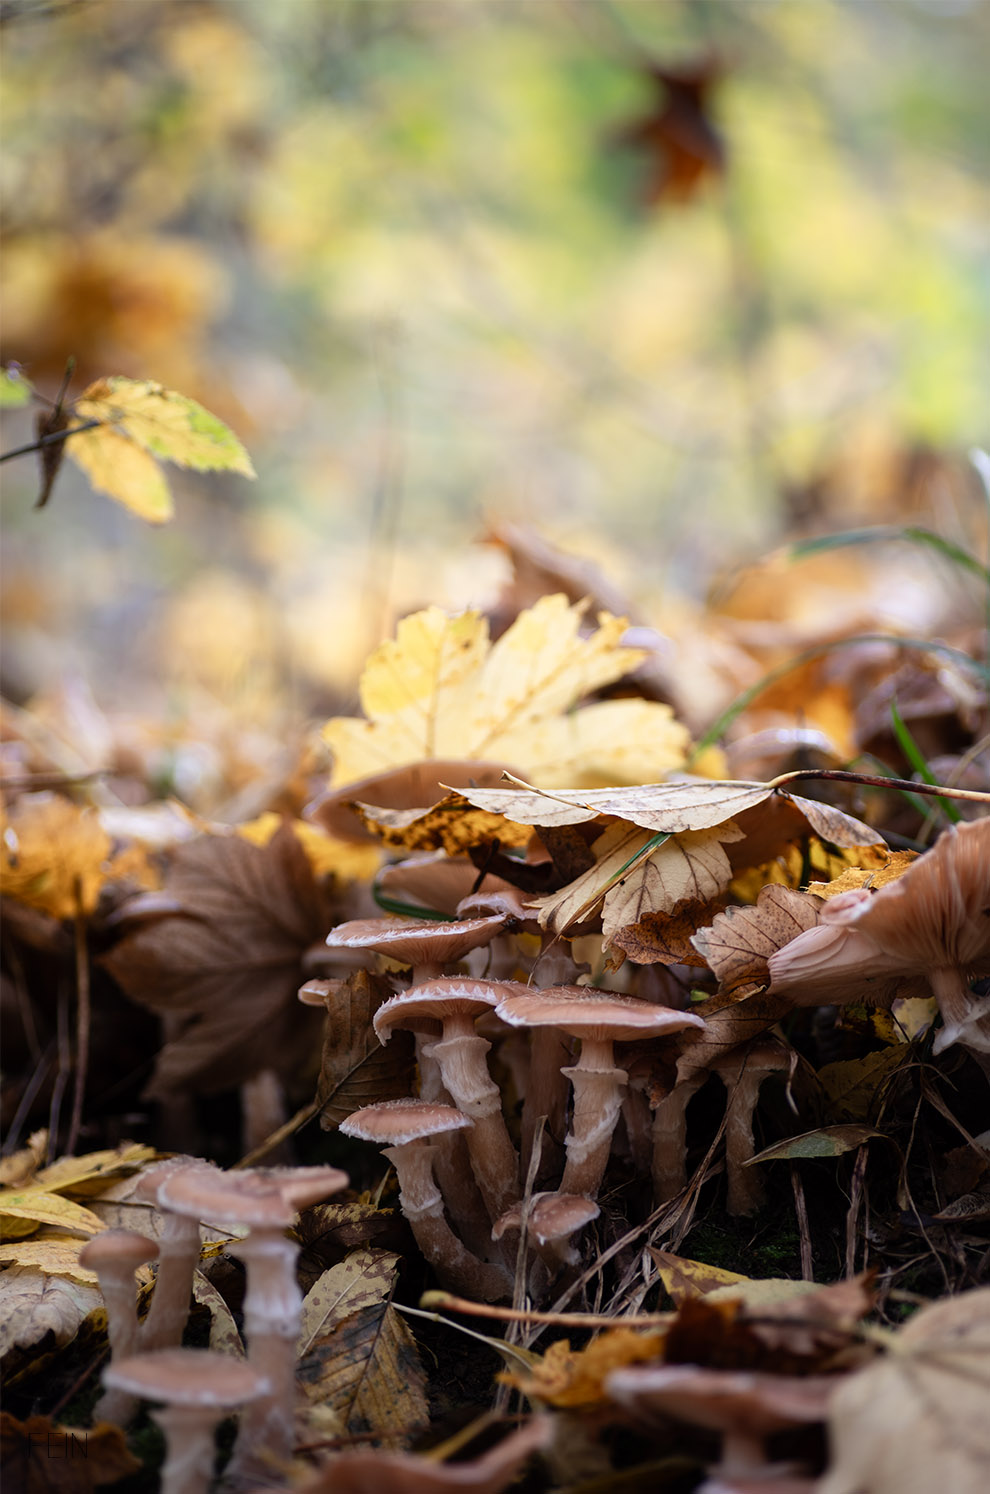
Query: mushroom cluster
x=461 y=1177
x=196 y=1387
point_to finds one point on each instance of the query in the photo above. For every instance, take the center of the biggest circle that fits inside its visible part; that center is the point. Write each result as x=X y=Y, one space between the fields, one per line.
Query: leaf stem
x=870 y=780
x=52 y=440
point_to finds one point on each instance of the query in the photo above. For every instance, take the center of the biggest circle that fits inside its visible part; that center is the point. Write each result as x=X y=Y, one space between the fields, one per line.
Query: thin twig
x=448 y=1302
x=869 y=780
x=83 y=1024
x=804 y=1230
x=52 y=440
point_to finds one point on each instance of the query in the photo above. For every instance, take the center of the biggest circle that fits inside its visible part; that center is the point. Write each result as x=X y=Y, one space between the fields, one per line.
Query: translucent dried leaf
x=441 y=689
x=916 y=1419
x=120 y=469
x=33 y=1304
x=166 y=424
x=575 y=1377
x=740 y=941
x=53 y=855
x=356 y=1069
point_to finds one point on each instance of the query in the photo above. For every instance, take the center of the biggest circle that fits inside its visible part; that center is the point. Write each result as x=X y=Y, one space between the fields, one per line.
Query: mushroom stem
x=179 y=1256
x=965 y=1017
x=272 y=1319
x=493 y=1157
x=114 y=1256
x=189 y=1446
x=746 y=1192
x=670 y=1138
x=546 y=1095
x=422 y=1206
x=597 y=1102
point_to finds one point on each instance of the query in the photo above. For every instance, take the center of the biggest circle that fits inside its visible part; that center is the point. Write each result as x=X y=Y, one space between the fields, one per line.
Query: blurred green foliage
x=397 y=246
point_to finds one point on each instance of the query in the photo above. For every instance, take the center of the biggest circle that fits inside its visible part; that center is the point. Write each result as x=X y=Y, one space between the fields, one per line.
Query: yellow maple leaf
x=139 y=421
x=440 y=688
x=566 y=1377
x=53 y=855
x=325 y=853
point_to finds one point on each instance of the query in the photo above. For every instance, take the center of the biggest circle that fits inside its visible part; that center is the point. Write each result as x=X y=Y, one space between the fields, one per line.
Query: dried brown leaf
x=356 y=1070
x=916 y=1420
x=230 y=962
x=740 y=941
x=665 y=938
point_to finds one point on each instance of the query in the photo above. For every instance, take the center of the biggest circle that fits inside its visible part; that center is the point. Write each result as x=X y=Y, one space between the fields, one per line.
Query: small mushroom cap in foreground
x=124 y=1249
x=723 y=1400
x=552 y=1216
x=187 y=1377
x=149 y=1184
x=260 y=1197
x=395 y=1122
x=586 y=1012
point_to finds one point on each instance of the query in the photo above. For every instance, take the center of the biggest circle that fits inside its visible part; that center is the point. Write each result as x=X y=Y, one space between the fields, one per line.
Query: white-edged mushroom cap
x=447 y=996
x=586 y=1012
x=258 y=1197
x=121 y=1249
x=187 y=1377
x=395 y=1122
x=552 y=1216
x=416 y=941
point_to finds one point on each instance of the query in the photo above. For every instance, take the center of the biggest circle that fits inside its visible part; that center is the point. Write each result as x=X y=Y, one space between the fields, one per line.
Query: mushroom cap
x=499 y=897
x=763 y=1055
x=124 y=1248
x=552 y=1216
x=433 y=879
x=585 y=1012
x=416 y=941
x=187 y=1377
x=149 y=1184
x=411 y=786
x=722 y=1400
x=263 y=1197
x=876 y=945
x=318 y=992
x=397 y=1121
x=447 y=996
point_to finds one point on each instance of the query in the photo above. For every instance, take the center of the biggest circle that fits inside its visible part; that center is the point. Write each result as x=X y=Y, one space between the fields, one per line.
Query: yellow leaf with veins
x=53 y=855
x=440 y=688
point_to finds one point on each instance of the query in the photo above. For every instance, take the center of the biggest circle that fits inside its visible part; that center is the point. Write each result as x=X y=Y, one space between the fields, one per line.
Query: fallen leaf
x=365 y=1368
x=39 y=1457
x=33 y=1304
x=19 y=1168
x=855 y=1085
x=356 y=1069
x=93 y=1172
x=740 y=941
x=224 y=1335
x=665 y=938
x=53 y=1254
x=451 y=826
x=575 y=1377
x=53 y=855
x=916 y=1419
x=364 y=1279
x=326 y=854
x=630 y=884
x=441 y=689
x=678 y=135
x=21 y=1212
x=683 y=1278
x=230 y=962
x=827 y=1141
x=895 y=865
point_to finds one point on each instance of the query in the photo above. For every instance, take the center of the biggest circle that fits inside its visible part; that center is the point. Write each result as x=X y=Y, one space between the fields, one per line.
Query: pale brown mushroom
x=179 y=1249
x=929 y=930
x=115 y=1255
x=426 y=946
x=267 y=1201
x=552 y=1220
x=669 y=1167
x=599 y=1019
x=408 y=1126
x=742 y=1071
x=455 y=1002
x=198 y=1389
x=746 y=1407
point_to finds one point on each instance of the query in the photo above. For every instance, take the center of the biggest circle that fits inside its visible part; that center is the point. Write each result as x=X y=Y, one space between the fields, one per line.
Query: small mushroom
x=744 y=1406
x=199 y=1388
x=426 y=946
x=742 y=1071
x=267 y=1200
x=408 y=1126
x=455 y=1002
x=599 y=1019
x=115 y=1255
x=552 y=1219
x=928 y=930
x=179 y=1249
x=670 y=1137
